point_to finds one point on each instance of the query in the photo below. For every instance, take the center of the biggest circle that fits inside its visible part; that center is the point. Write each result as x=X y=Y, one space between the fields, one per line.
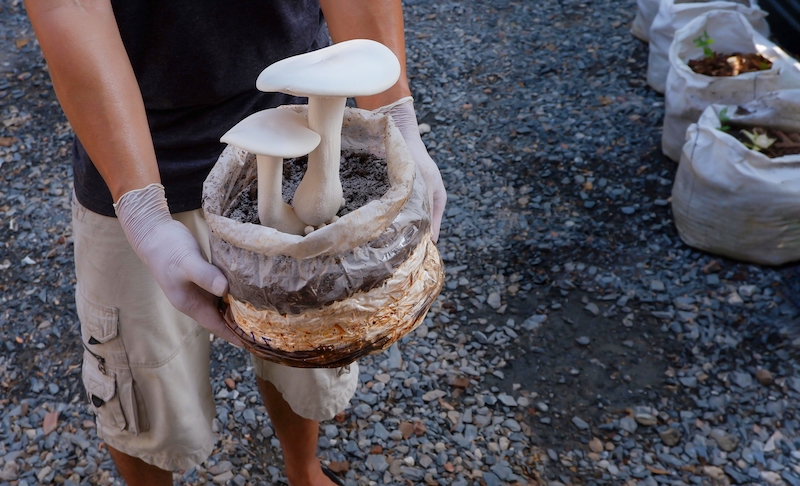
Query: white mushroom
x=274 y=135
x=328 y=77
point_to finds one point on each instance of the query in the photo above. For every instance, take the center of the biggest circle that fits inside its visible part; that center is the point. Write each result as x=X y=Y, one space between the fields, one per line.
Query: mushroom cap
x=358 y=67
x=273 y=132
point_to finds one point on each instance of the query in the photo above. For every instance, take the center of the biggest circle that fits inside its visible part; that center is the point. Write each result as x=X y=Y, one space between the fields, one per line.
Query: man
x=148 y=87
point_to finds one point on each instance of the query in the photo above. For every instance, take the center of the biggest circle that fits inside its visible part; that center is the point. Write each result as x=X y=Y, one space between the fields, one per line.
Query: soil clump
x=730 y=64
x=364 y=178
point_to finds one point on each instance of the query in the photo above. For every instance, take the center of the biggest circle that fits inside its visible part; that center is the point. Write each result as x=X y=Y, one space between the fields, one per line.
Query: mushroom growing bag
x=675 y=14
x=736 y=202
x=689 y=93
x=348 y=289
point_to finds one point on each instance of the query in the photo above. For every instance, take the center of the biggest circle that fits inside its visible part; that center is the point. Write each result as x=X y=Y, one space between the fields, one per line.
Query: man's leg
x=298 y=437
x=136 y=472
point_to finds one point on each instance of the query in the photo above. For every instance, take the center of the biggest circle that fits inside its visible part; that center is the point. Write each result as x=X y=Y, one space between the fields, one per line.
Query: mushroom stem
x=319 y=196
x=272 y=210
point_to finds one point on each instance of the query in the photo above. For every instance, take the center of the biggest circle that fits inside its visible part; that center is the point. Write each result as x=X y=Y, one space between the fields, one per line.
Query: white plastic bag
x=645 y=13
x=674 y=14
x=736 y=202
x=689 y=93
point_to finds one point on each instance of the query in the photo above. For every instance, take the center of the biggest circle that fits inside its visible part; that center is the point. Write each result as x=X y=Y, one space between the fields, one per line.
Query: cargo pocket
x=110 y=388
x=101 y=390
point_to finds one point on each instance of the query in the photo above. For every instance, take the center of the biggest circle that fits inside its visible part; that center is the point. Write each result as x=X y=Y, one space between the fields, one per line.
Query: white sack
x=736 y=202
x=689 y=93
x=645 y=13
x=674 y=14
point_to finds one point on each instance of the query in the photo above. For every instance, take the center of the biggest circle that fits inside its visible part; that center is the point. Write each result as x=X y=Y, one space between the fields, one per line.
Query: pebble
x=628 y=424
x=645 y=416
x=764 y=377
x=727 y=442
x=671 y=436
x=580 y=423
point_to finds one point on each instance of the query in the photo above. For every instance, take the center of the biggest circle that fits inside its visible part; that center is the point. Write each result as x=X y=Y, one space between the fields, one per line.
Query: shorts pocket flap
x=100 y=387
x=101 y=390
x=101 y=323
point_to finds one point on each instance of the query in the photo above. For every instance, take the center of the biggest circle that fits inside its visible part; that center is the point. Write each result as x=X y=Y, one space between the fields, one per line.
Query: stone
x=764 y=376
x=377 y=462
x=580 y=423
x=395 y=358
x=742 y=379
x=716 y=474
x=507 y=400
x=727 y=442
x=223 y=478
x=433 y=395
x=628 y=424
x=50 y=422
x=593 y=308
x=645 y=416
x=670 y=436
x=407 y=428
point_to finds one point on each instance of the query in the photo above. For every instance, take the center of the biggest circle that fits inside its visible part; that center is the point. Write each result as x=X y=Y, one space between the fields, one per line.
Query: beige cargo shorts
x=146 y=365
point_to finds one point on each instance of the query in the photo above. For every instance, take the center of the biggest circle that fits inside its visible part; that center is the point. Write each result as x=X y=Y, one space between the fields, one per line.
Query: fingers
x=207 y=315
x=205 y=275
x=439 y=199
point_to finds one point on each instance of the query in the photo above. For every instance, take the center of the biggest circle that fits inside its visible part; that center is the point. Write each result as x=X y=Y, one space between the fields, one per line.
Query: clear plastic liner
x=339 y=333
x=290 y=274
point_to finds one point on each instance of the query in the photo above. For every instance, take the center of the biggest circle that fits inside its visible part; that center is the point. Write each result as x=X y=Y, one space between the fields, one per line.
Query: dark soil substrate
x=364 y=179
x=739 y=63
x=786 y=143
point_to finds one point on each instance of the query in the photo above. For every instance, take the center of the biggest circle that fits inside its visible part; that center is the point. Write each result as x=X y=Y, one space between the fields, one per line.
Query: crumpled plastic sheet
x=290 y=274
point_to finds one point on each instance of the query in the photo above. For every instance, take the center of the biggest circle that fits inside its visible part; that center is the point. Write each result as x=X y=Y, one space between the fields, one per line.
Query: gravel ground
x=577 y=340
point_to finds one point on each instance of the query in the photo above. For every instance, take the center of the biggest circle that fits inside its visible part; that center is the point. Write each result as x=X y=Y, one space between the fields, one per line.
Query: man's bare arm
x=382 y=21
x=378 y=20
x=97 y=89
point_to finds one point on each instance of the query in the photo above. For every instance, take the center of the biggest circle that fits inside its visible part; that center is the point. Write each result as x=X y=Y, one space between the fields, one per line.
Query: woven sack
x=689 y=93
x=733 y=201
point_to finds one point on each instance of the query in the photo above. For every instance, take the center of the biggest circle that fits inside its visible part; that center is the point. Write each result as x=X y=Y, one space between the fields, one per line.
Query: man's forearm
x=378 y=20
x=97 y=89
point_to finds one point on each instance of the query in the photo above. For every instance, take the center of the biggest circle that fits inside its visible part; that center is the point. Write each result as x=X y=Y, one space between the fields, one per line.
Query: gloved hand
x=402 y=112
x=173 y=256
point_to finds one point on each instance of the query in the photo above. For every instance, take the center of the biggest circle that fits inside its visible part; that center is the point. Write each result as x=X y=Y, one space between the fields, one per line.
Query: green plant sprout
x=703 y=42
x=723 y=120
x=760 y=140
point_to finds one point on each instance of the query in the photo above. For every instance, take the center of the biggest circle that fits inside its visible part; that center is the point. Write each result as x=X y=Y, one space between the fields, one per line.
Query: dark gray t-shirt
x=196 y=62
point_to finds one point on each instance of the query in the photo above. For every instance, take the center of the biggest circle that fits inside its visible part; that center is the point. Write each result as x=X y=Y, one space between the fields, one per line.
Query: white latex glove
x=174 y=257
x=402 y=112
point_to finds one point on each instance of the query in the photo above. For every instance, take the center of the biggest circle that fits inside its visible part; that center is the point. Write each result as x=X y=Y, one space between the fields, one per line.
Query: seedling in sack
x=724 y=120
x=703 y=42
x=759 y=139
x=719 y=64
